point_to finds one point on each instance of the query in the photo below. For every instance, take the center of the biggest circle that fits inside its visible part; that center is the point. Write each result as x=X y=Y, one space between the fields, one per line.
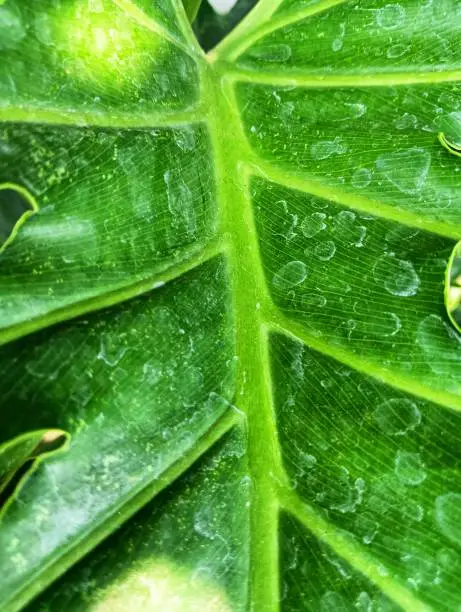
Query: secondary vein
x=117 y=296
x=348 y=550
x=108 y=119
x=350 y=199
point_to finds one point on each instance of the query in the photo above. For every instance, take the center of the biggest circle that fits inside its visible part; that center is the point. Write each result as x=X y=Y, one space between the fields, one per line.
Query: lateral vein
x=278 y=322
x=351 y=200
x=348 y=550
x=67 y=117
x=116 y=296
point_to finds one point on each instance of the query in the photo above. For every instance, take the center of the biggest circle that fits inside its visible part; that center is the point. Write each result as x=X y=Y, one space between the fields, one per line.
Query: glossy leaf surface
x=232 y=299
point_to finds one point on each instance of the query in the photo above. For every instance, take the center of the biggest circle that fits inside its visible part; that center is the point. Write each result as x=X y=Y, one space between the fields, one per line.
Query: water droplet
x=325 y=250
x=397 y=276
x=397 y=50
x=407 y=170
x=313 y=224
x=390 y=16
x=43 y=26
x=152 y=373
x=397 y=416
x=180 y=202
x=448 y=558
x=184 y=138
x=333 y=602
x=395 y=324
x=448 y=516
x=205 y=523
x=361 y=178
x=406 y=121
x=278 y=53
x=291 y=274
x=364 y=603
x=441 y=346
x=409 y=468
x=12 y=30
x=327 y=148
x=367 y=527
x=338 y=42
x=111 y=350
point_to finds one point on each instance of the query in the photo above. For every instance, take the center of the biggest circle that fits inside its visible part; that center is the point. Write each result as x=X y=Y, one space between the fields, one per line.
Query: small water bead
x=390 y=16
x=448 y=558
x=333 y=602
x=290 y=275
x=364 y=603
x=361 y=178
x=397 y=416
x=12 y=29
x=313 y=224
x=406 y=170
x=397 y=276
x=409 y=468
x=111 y=349
x=441 y=345
x=448 y=516
x=326 y=148
x=325 y=250
x=397 y=50
x=406 y=121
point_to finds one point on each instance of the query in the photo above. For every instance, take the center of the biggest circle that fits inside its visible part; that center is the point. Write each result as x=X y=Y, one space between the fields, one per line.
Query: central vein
x=250 y=300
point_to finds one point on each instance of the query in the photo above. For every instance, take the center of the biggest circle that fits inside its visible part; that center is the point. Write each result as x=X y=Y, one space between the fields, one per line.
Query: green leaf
x=231 y=298
x=192 y=7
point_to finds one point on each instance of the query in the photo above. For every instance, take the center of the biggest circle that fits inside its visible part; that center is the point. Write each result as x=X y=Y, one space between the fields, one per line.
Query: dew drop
x=291 y=274
x=397 y=50
x=327 y=148
x=180 y=202
x=12 y=30
x=364 y=603
x=397 y=276
x=397 y=416
x=406 y=121
x=361 y=178
x=409 y=468
x=111 y=351
x=390 y=16
x=441 y=346
x=407 y=170
x=325 y=250
x=313 y=224
x=448 y=516
x=333 y=602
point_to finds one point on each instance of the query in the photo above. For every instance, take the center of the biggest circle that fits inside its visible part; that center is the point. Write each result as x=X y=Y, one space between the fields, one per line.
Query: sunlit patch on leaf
x=16 y=206
x=453 y=287
x=103 y=44
x=159 y=585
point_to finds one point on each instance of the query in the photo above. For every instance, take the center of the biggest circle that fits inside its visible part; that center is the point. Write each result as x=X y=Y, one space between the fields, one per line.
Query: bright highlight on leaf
x=103 y=44
x=157 y=586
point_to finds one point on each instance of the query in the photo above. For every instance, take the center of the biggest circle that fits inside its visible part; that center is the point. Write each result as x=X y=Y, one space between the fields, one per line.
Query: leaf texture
x=232 y=299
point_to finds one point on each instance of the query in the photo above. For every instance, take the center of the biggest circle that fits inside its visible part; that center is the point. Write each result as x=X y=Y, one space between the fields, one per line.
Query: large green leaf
x=232 y=299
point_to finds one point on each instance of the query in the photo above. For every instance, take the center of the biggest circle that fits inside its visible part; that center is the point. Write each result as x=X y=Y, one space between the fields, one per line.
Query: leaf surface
x=232 y=299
